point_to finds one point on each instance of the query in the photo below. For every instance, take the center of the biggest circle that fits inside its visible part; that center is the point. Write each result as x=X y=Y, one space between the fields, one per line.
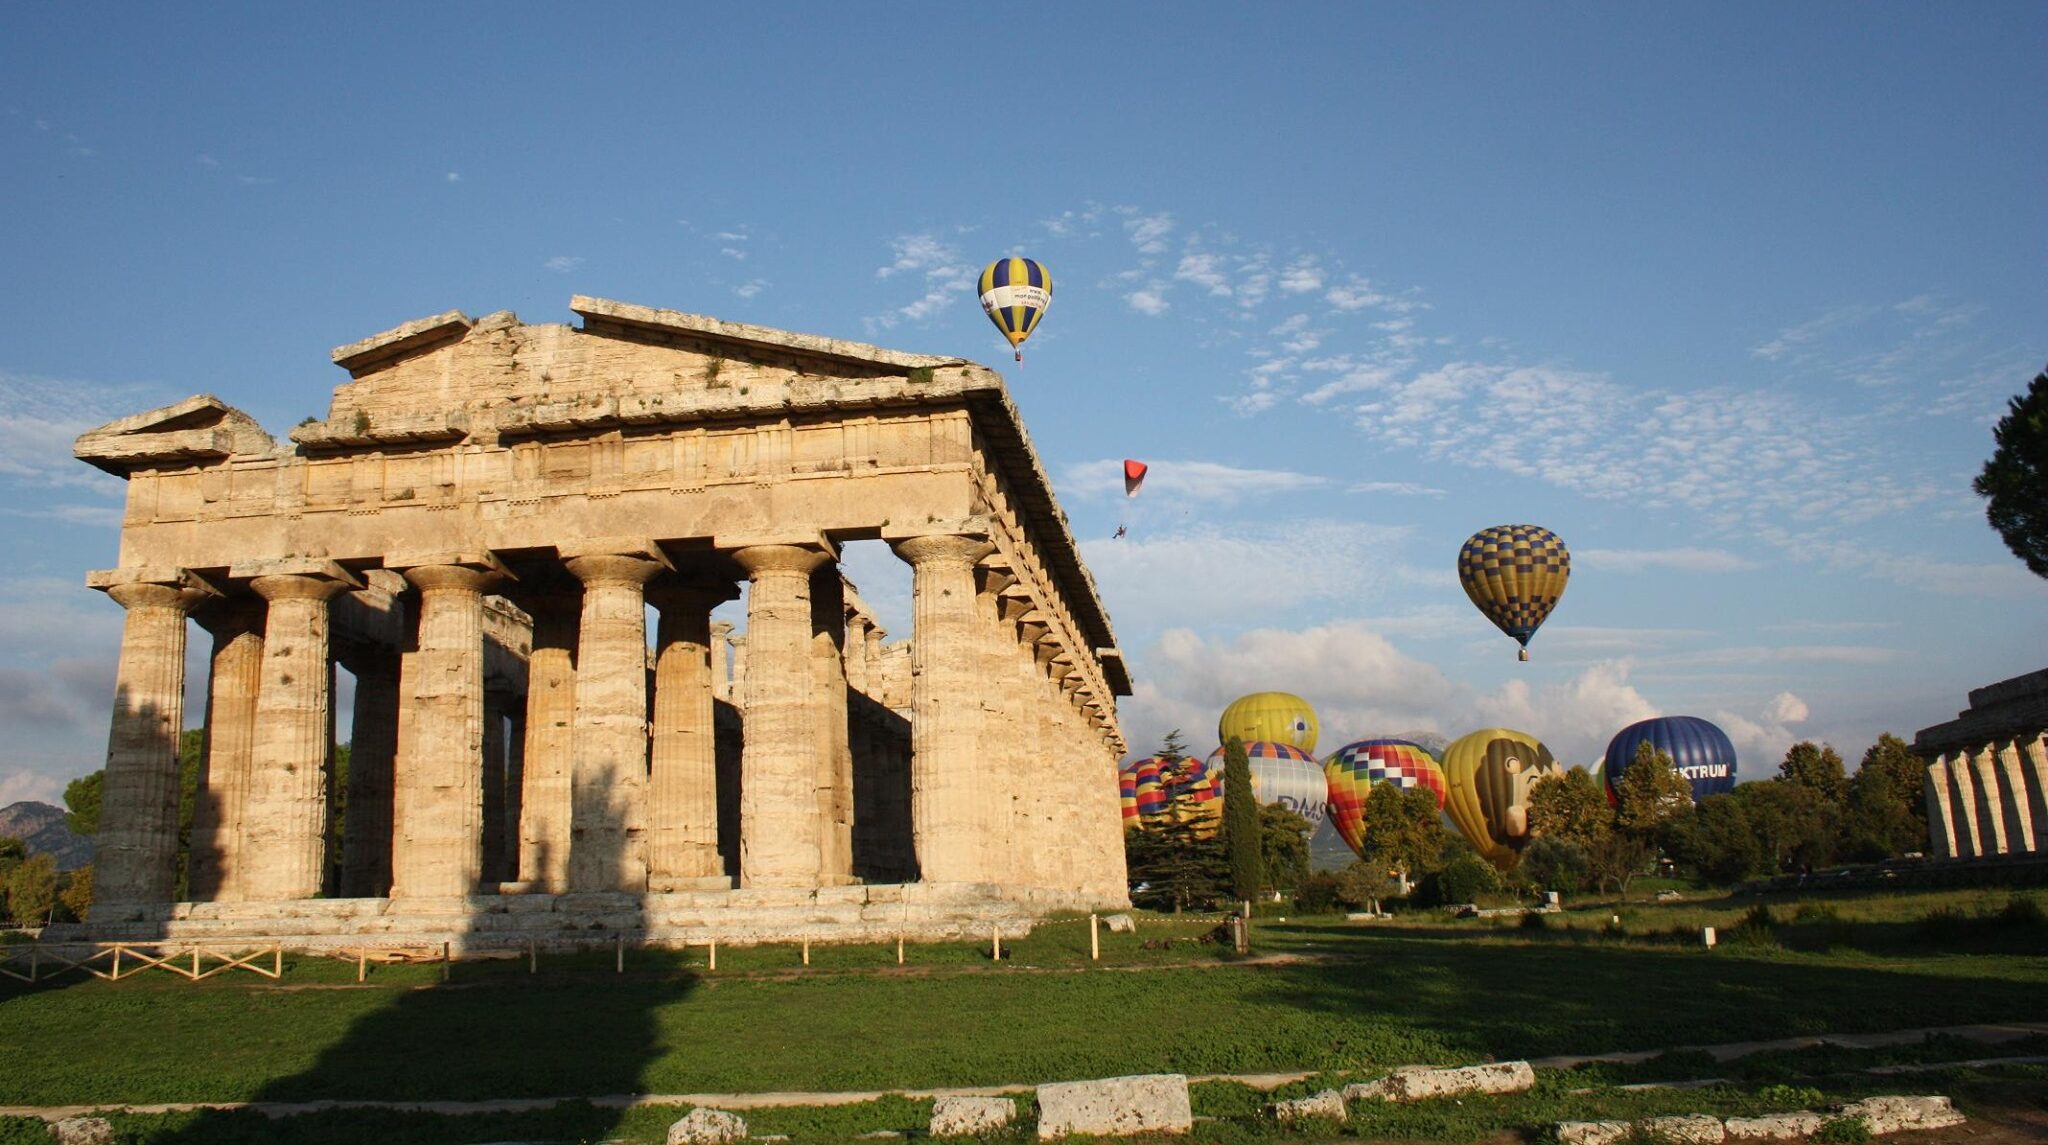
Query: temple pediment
x=200 y=428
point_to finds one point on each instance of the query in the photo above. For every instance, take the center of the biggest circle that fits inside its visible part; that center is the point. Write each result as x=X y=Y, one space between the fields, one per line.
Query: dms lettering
x=1705 y=771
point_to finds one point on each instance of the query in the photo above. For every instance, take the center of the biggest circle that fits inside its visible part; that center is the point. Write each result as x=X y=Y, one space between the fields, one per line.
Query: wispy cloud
x=563 y=263
x=1151 y=301
x=1398 y=488
x=1677 y=560
x=40 y=418
x=941 y=271
x=750 y=288
x=454 y=177
x=1186 y=480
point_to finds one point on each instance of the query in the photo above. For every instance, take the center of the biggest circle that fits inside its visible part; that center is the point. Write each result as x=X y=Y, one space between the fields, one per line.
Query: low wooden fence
x=113 y=961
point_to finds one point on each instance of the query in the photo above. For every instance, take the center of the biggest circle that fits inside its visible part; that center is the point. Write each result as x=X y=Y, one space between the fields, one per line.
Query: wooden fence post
x=1094 y=940
x=619 y=950
x=362 y=962
x=995 y=931
x=899 y=950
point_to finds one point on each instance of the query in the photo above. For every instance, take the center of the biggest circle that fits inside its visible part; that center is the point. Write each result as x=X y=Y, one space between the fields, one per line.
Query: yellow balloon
x=1274 y=717
x=1487 y=776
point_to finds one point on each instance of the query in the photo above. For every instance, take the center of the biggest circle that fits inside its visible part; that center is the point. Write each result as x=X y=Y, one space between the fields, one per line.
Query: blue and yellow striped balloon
x=1014 y=294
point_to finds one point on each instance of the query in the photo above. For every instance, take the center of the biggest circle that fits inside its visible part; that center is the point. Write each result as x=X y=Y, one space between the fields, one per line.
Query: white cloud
x=1355 y=294
x=1574 y=719
x=1200 y=481
x=1793 y=339
x=454 y=176
x=1205 y=270
x=750 y=288
x=945 y=272
x=1398 y=488
x=28 y=786
x=1677 y=560
x=1302 y=276
x=1761 y=743
x=41 y=417
x=1786 y=708
x=1149 y=301
x=1148 y=232
x=563 y=263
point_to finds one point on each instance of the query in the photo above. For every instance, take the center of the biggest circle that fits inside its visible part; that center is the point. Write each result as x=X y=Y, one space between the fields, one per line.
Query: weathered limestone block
x=284 y=830
x=1689 y=1129
x=707 y=1127
x=1115 y=1107
x=945 y=796
x=1882 y=1115
x=964 y=1116
x=1774 y=1127
x=608 y=848
x=1418 y=1082
x=1119 y=923
x=683 y=770
x=545 y=797
x=1329 y=1104
x=1941 y=820
x=780 y=828
x=1591 y=1132
x=437 y=845
x=83 y=1131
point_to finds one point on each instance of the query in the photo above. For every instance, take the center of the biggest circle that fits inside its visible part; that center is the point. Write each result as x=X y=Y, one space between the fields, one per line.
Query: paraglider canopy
x=1014 y=294
x=1134 y=476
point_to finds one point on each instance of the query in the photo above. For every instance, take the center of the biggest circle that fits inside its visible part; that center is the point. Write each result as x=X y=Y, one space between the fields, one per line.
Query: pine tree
x=1241 y=836
x=2014 y=481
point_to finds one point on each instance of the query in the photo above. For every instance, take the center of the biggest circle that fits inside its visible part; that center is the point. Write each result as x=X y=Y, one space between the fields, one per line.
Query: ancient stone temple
x=1987 y=773
x=477 y=532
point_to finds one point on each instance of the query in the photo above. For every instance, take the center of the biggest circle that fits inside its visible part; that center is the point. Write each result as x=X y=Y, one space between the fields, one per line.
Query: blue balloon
x=1699 y=751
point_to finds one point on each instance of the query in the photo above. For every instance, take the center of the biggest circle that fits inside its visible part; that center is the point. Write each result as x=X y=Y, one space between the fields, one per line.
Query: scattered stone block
x=970 y=1116
x=707 y=1127
x=1418 y=1082
x=1774 y=1127
x=1591 y=1132
x=1119 y=923
x=84 y=1131
x=1115 y=1107
x=1882 y=1115
x=1329 y=1104
x=1690 y=1129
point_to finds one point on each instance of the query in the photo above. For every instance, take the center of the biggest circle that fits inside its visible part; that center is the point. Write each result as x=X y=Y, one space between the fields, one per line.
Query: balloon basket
x=1523 y=655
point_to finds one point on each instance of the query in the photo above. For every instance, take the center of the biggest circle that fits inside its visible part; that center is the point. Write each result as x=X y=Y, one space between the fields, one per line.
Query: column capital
x=632 y=569
x=152 y=587
x=666 y=592
x=297 y=586
x=958 y=550
x=451 y=577
x=771 y=560
x=721 y=628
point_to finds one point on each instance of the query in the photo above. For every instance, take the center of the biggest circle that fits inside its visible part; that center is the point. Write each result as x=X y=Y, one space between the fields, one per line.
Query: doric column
x=736 y=690
x=682 y=806
x=945 y=722
x=437 y=843
x=372 y=763
x=217 y=808
x=855 y=651
x=780 y=828
x=721 y=660
x=496 y=841
x=138 y=840
x=546 y=799
x=284 y=832
x=1990 y=804
x=835 y=748
x=2034 y=775
x=2013 y=796
x=1962 y=783
x=1941 y=822
x=608 y=844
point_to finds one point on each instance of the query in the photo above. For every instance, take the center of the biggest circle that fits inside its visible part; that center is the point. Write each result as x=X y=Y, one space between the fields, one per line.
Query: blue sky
x=1726 y=296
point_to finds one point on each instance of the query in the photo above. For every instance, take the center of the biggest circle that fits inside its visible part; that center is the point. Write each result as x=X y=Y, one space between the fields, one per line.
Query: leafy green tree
x=1818 y=769
x=1177 y=859
x=1570 y=808
x=1886 y=814
x=1795 y=828
x=1404 y=831
x=1362 y=885
x=82 y=803
x=32 y=889
x=1556 y=864
x=1650 y=795
x=2014 y=482
x=1717 y=841
x=1283 y=846
x=77 y=893
x=12 y=852
x=1241 y=837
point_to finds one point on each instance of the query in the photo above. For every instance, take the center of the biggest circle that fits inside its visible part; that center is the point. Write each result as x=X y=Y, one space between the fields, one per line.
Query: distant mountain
x=42 y=828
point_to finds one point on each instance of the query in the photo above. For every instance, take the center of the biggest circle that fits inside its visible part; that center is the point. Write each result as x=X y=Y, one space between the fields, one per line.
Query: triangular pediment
x=199 y=428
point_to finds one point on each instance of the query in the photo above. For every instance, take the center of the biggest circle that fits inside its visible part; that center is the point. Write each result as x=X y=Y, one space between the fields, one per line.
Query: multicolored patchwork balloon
x=1014 y=294
x=1515 y=575
x=1352 y=770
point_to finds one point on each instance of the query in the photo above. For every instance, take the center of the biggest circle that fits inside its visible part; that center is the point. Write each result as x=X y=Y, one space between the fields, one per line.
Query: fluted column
x=721 y=660
x=235 y=676
x=496 y=842
x=437 y=845
x=284 y=833
x=138 y=840
x=608 y=845
x=1941 y=822
x=945 y=722
x=1962 y=784
x=736 y=692
x=780 y=828
x=372 y=763
x=2013 y=797
x=682 y=806
x=2034 y=774
x=546 y=796
x=835 y=749
x=1991 y=818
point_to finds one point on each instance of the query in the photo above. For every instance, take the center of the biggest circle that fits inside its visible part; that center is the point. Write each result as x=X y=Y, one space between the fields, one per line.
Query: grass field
x=1320 y=994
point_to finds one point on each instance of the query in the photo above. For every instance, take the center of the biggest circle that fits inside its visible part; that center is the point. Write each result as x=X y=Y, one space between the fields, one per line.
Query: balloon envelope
x=1487 y=777
x=1134 y=476
x=1014 y=294
x=1699 y=751
x=1283 y=774
x=1514 y=574
x=1270 y=717
x=1154 y=790
x=1352 y=770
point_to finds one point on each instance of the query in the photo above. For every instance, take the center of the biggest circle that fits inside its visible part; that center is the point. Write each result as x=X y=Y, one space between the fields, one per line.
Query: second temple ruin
x=476 y=532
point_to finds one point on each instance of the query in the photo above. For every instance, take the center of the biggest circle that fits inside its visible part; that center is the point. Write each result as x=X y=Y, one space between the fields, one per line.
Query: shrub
x=1317 y=894
x=1465 y=879
x=2022 y=910
x=1758 y=928
x=1843 y=1131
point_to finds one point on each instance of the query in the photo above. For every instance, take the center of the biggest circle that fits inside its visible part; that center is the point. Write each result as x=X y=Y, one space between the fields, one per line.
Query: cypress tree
x=1240 y=821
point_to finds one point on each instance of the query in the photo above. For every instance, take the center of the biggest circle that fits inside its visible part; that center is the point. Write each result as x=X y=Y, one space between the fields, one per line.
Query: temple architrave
x=1987 y=773
x=477 y=532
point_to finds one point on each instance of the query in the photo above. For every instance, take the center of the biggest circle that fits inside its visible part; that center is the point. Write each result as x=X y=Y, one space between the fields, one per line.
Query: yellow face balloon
x=1488 y=775
x=1270 y=717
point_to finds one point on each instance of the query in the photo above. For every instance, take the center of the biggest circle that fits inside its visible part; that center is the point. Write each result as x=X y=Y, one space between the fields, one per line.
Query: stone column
x=437 y=845
x=721 y=660
x=495 y=841
x=2012 y=792
x=1990 y=807
x=945 y=722
x=736 y=691
x=682 y=844
x=546 y=799
x=780 y=828
x=835 y=747
x=1963 y=799
x=1941 y=821
x=2034 y=774
x=136 y=862
x=217 y=809
x=372 y=763
x=608 y=844
x=284 y=833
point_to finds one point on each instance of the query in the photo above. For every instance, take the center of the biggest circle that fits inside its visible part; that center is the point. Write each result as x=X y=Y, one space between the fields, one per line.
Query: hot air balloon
x=1155 y=789
x=1281 y=773
x=1699 y=751
x=1352 y=770
x=1014 y=295
x=1514 y=574
x=1134 y=476
x=1487 y=777
x=1270 y=717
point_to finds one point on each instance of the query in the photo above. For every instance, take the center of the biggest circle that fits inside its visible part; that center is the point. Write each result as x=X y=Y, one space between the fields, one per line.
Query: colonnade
x=605 y=774
x=1989 y=801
